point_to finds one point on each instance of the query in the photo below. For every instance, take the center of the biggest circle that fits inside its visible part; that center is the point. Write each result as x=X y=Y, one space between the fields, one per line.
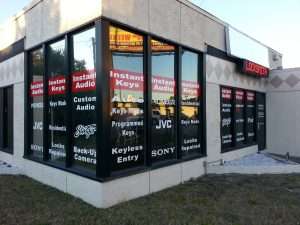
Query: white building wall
x=176 y=20
x=12 y=74
x=283 y=112
x=221 y=72
x=49 y=18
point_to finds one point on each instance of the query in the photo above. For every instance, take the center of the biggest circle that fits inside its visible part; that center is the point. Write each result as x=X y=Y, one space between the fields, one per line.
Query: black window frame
x=202 y=107
x=6 y=119
x=103 y=167
x=246 y=143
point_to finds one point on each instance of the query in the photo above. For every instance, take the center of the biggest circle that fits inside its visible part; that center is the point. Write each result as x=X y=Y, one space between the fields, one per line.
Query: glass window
x=57 y=113
x=226 y=118
x=163 y=102
x=6 y=119
x=84 y=100
x=190 y=105
x=239 y=117
x=250 y=116
x=127 y=98
x=36 y=103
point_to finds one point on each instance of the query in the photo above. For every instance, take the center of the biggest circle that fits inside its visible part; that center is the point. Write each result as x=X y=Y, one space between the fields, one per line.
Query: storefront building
x=118 y=99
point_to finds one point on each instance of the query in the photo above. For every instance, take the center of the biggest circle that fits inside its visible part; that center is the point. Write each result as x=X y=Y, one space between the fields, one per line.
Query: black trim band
x=222 y=55
x=12 y=50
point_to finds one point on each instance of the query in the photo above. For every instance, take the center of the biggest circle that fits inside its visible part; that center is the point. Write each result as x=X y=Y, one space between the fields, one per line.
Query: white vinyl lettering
x=164 y=124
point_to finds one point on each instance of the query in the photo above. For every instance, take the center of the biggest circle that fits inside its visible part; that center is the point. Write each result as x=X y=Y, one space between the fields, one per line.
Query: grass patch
x=210 y=200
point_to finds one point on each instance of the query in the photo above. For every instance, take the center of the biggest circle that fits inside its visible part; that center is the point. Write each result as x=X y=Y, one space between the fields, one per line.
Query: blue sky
x=273 y=22
x=10 y=8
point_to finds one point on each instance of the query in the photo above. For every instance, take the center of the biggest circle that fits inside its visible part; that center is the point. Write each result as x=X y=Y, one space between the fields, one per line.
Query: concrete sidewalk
x=259 y=163
x=7 y=169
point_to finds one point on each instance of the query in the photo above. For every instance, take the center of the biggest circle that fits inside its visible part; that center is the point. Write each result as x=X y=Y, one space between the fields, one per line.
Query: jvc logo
x=164 y=124
x=38 y=126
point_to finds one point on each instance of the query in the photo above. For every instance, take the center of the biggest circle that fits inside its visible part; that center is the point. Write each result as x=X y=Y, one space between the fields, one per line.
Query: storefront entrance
x=261 y=120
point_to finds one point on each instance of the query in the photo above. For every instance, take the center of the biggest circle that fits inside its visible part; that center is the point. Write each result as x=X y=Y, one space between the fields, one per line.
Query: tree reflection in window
x=57 y=114
x=84 y=100
x=36 y=103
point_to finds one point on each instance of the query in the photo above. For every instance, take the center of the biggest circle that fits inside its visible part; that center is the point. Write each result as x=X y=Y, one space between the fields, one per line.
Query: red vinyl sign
x=127 y=80
x=239 y=95
x=250 y=96
x=36 y=89
x=190 y=88
x=83 y=81
x=226 y=93
x=57 y=85
x=254 y=69
x=163 y=84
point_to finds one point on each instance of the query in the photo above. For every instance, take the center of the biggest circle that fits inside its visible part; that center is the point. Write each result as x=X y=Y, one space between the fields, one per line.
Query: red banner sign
x=190 y=88
x=127 y=80
x=36 y=89
x=57 y=85
x=250 y=96
x=239 y=95
x=226 y=93
x=254 y=69
x=83 y=81
x=163 y=84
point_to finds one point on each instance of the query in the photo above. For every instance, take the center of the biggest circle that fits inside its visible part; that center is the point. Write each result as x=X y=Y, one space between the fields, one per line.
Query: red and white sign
x=163 y=84
x=83 y=81
x=250 y=96
x=190 y=88
x=226 y=93
x=57 y=85
x=36 y=89
x=126 y=80
x=239 y=95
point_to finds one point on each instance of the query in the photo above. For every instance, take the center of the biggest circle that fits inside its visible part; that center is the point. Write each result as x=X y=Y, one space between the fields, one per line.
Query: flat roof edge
x=187 y=3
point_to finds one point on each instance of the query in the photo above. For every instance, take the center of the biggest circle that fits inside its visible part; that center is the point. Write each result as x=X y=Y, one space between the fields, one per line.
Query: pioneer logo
x=87 y=131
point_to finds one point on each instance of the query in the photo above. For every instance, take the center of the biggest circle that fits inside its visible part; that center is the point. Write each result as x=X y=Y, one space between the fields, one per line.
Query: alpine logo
x=87 y=131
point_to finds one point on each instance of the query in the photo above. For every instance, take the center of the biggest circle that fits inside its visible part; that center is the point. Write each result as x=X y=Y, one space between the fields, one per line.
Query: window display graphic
x=127 y=100
x=84 y=99
x=163 y=103
x=190 y=105
x=239 y=117
x=57 y=113
x=250 y=116
x=226 y=117
x=36 y=103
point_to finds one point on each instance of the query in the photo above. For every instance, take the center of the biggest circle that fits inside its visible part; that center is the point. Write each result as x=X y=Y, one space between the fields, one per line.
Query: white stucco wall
x=220 y=72
x=283 y=112
x=12 y=74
